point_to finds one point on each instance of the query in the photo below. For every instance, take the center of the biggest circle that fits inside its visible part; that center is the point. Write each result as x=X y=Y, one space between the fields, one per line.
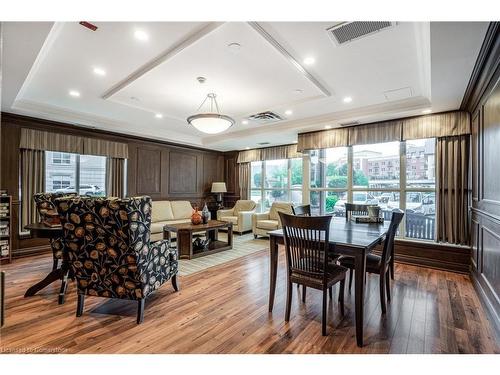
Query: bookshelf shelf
x=5 y=227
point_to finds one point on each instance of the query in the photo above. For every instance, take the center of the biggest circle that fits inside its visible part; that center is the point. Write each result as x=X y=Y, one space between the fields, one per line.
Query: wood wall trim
x=488 y=303
x=484 y=69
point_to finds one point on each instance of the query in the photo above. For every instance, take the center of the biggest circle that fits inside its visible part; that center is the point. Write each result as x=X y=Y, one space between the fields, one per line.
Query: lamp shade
x=219 y=187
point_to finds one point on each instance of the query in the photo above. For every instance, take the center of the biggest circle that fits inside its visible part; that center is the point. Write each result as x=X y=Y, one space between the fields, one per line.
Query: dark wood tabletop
x=42 y=230
x=212 y=224
x=352 y=234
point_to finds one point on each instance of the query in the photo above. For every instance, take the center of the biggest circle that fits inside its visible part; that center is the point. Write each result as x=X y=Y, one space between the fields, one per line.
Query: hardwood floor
x=224 y=310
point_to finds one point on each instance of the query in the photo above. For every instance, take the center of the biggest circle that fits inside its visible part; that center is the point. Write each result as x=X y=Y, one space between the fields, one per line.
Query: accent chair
x=240 y=215
x=110 y=252
x=269 y=221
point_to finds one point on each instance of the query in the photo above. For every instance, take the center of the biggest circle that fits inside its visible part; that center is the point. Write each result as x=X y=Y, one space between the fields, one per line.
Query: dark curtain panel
x=452 y=177
x=244 y=180
x=115 y=182
x=32 y=181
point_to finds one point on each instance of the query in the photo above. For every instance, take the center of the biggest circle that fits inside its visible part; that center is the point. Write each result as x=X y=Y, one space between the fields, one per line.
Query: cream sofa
x=240 y=215
x=168 y=212
x=269 y=221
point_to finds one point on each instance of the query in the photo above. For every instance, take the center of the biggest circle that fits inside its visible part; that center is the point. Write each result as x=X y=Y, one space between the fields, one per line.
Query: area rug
x=242 y=246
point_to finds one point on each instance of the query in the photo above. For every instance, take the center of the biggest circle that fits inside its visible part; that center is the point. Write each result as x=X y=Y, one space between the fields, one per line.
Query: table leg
x=230 y=235
x=273 y=270
x=360 y=274
x=49 y=279
x=185 y=244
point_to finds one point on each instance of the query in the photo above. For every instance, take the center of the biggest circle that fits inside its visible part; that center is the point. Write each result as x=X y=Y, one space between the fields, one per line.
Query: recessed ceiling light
x=159 y=115
x=141 y=35
x=288 y=112
x=247 y=148
x=99 y=71
x=347 y=99
x=74 y=93
x=309 y=60
x=298 y=91
x=295 y=142
x=245 y=122
x=328 y=126
x=426 y=111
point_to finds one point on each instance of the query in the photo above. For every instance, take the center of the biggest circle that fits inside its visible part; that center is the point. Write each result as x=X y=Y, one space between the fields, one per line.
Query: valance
x=323 y=139
x=388 y=131
x=269 y=153
x=446 y=124
x=430 y=126
x=32 y=139
x=93 y=146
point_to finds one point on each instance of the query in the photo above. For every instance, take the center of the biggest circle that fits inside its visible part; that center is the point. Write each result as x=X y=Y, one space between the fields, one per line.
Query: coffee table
x=185 y=233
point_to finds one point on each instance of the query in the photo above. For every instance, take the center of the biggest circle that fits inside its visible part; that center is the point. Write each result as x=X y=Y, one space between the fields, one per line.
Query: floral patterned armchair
x=45 y=206
x=109 y=250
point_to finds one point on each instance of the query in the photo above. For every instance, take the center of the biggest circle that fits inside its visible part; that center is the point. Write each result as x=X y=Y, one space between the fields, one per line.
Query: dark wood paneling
x=184 y=170
x=484 y=103
x=148 y=168
x=148 y=171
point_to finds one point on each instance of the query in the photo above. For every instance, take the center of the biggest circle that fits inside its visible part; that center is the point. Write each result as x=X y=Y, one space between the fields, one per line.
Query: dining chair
x=306 y=244
x=379 y=264
x=304 y=210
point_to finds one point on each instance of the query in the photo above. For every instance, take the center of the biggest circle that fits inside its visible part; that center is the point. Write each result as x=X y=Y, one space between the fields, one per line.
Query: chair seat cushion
x=230 y=219
x=334 y=272
x=267 y=224
x=372 y=262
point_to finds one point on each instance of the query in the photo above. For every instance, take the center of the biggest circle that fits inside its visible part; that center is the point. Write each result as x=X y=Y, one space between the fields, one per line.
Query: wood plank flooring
x=224 y=310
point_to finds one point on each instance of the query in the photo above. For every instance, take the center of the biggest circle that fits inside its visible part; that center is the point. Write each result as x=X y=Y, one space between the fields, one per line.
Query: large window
x=375 y=174
x=276 y=180
x=84 y=174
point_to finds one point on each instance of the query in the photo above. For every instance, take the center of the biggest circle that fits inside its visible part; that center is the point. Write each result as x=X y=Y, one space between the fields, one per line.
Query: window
x=61 y=158
x=370 y=183
x=276 y=180
x=85 y=174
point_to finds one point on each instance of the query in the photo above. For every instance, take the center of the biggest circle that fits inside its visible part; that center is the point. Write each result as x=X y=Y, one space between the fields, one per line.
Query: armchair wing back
x=46 y=207
x=240 y=215
x=109 y=249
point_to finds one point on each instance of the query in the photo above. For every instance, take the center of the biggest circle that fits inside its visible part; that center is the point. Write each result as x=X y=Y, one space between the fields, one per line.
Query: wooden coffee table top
x=212 y=224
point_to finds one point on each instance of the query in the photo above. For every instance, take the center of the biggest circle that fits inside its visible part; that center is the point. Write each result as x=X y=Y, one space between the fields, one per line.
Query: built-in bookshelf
x=5 y=226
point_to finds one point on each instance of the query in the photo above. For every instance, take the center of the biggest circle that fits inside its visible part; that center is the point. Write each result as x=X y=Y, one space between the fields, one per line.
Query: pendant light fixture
x=210 y=122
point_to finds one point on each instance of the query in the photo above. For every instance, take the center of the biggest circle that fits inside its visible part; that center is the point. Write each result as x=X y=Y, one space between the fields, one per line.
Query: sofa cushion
x=158 y=226
x=243 y=205
x=267 y=224
x=279 y=207
x=181 y=209
x=230 y=219
x=161 y=211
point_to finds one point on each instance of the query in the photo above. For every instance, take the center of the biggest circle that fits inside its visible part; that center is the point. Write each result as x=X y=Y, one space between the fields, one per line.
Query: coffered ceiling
x=141 y=78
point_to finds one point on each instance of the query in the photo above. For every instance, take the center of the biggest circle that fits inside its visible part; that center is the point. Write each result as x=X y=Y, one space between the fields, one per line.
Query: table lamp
x=218 y=188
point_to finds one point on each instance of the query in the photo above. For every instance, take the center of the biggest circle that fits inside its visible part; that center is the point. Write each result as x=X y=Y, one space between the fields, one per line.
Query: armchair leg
x=174 y=283
x=254 y=236
x=80 y=303
x=140 y=311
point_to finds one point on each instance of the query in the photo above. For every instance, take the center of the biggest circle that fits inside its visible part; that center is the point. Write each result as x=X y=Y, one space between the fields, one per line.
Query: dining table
x=347 y=237
x=42 y=230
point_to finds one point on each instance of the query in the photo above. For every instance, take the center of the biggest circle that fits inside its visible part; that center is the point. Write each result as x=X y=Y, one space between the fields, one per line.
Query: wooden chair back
x=306 y=244
x=304 y=210
x=388 y=250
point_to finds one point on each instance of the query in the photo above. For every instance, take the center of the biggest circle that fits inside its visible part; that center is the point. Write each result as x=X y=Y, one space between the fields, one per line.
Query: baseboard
x=488 y=304
x=432 y=263
x=30 y=251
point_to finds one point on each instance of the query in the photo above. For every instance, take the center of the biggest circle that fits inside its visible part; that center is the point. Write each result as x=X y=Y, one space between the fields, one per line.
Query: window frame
x=402 y=190
x=288 y=188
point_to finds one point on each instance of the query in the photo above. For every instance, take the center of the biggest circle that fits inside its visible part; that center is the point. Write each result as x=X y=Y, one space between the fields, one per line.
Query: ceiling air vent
x=265 y=117
x=350 y=123
x=349 y=31
x=263 y=143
